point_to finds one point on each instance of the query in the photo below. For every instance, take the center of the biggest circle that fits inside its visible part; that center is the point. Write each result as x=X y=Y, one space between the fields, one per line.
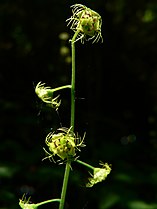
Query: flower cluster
x=99 y=174
x=46 y=95
x=64 y=144
x=86 y=22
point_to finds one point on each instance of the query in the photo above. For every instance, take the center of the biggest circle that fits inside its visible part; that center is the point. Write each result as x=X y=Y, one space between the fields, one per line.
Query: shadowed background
x=116 y=103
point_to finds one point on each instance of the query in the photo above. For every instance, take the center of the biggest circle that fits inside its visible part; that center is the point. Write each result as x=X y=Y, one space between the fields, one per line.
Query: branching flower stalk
x=64 y=143
x=85 y=22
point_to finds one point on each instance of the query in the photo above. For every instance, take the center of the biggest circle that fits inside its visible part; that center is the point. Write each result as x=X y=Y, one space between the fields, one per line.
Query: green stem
x=61 y=87
x=85 y=164
x=47 y=201
x=72 y=121
x=65 y=183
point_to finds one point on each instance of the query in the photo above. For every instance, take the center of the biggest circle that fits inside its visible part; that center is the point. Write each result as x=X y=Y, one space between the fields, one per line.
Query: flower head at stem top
x=99 y=174
x=87 y=22
x=46 y=95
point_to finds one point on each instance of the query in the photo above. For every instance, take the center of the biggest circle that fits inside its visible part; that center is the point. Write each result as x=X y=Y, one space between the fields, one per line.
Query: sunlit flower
x=46 y=95
x=87 y=22
x=64 y=143
x=99 y=174
x=25 y=203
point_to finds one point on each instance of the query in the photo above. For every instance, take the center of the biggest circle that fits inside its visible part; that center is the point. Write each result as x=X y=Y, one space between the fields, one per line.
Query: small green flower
x=46 y=95
x=64 y=144
x=99 y=174
x=25 y=203
x=87 y=22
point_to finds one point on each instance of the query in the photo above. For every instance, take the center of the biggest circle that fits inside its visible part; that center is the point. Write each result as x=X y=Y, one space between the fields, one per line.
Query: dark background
x=116 y=103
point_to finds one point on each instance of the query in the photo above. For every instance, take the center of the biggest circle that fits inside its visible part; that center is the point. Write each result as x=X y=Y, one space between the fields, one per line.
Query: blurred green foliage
x=116 y=103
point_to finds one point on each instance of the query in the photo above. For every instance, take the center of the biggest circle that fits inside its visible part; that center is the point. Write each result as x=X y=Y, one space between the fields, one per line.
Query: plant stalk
x=65 y=183
x=59 y=88
x=47 y=201
x=72 y=121
x=85 y=164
